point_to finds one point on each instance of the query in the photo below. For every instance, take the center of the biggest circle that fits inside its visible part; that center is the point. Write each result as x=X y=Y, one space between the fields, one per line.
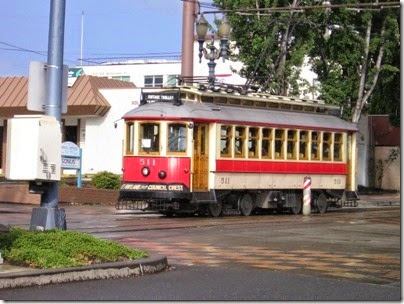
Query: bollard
x=307 y=196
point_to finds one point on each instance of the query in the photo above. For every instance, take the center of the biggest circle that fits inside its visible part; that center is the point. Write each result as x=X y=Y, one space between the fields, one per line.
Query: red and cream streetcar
x=193 y=150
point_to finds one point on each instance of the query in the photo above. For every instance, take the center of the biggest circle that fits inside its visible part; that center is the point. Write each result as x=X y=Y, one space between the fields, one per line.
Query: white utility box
x=33 y=148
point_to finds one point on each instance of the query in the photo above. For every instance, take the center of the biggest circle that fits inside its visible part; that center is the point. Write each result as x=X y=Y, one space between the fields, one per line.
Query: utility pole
x=48 y=215
x=188 y=20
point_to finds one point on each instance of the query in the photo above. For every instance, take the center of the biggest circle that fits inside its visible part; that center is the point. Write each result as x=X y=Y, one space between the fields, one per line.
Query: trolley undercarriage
x=220 y=202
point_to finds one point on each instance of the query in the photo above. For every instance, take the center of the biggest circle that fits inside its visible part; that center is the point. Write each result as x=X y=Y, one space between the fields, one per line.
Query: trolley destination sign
x=160 y=97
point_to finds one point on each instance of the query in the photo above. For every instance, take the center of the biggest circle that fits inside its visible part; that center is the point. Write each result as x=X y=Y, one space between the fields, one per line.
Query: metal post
x=307 y=196
x=48 y=216
x=79 y=171
x=188 y=20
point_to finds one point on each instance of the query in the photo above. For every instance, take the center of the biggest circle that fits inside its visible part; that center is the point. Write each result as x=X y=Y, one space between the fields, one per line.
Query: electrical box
x=33 y=148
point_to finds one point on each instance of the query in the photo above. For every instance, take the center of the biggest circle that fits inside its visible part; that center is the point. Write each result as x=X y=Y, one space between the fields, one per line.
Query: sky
x=111 y=28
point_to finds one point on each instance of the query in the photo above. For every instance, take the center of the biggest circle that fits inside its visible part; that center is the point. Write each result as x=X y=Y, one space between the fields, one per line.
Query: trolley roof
x=188 y=104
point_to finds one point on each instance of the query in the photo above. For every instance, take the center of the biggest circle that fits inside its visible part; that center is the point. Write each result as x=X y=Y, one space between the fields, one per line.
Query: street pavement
x=15 y=276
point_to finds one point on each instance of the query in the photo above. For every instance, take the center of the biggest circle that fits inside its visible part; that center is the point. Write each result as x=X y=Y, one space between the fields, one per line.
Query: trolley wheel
x=321 y=203
x=246 y=204
x=296 y=203
x=215 y=210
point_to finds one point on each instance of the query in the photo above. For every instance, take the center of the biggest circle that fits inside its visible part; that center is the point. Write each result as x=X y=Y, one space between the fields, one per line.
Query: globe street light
x=214 y=53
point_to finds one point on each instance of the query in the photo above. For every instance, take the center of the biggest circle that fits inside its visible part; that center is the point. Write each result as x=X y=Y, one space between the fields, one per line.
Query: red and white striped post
x=307 y=196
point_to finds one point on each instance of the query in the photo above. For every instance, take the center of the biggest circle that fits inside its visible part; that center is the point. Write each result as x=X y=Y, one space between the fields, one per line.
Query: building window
x=121 y=78
x=153 y=81
x=71 y=134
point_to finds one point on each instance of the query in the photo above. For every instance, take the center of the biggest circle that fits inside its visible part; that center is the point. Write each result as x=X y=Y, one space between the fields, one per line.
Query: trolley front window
x=177 y=137
x=130 y=135
x=149 y=138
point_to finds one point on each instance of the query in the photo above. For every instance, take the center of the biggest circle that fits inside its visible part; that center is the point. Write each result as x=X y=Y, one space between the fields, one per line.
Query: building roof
x=84 y=97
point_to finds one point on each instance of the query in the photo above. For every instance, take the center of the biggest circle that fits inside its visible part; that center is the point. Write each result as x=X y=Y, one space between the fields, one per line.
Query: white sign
x=70 y=163
x=70 y=149
x=38 y=84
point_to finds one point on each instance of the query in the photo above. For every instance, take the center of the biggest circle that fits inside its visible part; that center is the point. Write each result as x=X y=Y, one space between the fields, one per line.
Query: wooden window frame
x=241 y=139
x=130 y=138
x=179 y=152
x=267 y=152
x=226 y=150
x=253 y=142
x=291 y=141
x=305 y=143
x=153 y=141
x=281 y=153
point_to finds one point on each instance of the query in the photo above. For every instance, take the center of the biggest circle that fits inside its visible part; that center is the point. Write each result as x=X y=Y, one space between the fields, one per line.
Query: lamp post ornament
x=214 y=53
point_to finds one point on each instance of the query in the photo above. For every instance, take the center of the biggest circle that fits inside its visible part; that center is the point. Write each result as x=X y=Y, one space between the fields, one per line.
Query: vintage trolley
x=190 y=150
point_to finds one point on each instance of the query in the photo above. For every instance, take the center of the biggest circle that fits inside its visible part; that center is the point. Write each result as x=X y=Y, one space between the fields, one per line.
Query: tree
x=272 y=46
x=352 y=48
x=386 y=96
x=349 y=49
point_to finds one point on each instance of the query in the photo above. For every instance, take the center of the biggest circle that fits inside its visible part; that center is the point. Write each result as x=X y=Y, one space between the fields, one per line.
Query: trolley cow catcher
x=192 y=150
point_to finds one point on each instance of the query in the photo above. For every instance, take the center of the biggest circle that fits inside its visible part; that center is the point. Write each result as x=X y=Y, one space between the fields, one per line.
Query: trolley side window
x=149 y=138
x=239 y=139
x=253 y=137
x=266 y=148
x=315 y=145
x=225 y=141
x=327 y=141
x=279 y=146
x=177 y=137
x=338 y=144
x=130 y=136
x=304 y=145
x=292 y=144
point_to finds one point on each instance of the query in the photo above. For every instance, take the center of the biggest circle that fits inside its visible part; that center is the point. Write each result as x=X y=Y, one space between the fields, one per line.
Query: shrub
x=106 y=180
x=60 y=248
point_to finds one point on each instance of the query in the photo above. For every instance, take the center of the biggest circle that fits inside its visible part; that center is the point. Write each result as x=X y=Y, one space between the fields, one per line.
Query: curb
x=94 y=272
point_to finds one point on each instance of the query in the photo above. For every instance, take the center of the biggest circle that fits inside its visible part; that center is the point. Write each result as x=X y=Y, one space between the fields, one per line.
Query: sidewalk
x=14 y=276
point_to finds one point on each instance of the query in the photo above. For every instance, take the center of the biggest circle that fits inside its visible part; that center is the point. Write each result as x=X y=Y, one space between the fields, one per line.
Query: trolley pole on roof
x=48 y=215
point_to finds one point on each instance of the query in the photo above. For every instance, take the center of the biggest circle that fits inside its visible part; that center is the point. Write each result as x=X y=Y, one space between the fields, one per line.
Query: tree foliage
x=354 y=52
x=272 y=46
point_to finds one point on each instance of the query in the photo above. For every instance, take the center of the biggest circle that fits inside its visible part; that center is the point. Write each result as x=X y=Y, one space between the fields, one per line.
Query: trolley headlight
x=145 y=171
x=162 y=174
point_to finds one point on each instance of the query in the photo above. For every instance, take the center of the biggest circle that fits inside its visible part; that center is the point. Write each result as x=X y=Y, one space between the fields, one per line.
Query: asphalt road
x=204 y=283
x=346 y=254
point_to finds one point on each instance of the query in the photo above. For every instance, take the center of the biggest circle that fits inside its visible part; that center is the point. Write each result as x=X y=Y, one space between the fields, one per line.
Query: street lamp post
x=214 y=53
